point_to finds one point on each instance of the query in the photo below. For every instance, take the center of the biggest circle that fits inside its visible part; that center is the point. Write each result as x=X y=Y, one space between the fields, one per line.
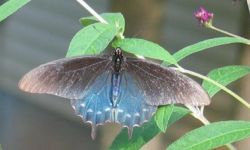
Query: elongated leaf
x=144 y=48
x=116 y=19
x=212 y=136
x=10 y=7
x=163 y=116
x=224 y=76
x=145 y=133
x=203 y=45
x=92 y=39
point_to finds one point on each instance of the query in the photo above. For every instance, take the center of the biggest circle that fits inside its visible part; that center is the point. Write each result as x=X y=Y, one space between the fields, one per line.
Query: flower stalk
x=229 y=34
x=205 y=18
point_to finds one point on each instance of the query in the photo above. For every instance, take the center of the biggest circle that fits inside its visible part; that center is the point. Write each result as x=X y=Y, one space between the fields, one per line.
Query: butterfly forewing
x=67 y=77
x=163 y=85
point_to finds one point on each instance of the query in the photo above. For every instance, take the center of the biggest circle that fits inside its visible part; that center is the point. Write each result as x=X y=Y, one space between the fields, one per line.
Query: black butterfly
x=114 y=88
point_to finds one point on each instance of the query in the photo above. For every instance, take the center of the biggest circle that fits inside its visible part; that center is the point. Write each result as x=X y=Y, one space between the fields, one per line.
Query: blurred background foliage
x=41 y=32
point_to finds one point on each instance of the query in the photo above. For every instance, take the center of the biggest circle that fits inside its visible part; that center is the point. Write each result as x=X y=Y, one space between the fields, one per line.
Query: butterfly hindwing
x=96 y=107
x=133 y=109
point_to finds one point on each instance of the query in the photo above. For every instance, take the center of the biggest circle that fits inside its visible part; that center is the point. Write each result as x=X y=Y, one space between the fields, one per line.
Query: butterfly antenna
x=139 y=32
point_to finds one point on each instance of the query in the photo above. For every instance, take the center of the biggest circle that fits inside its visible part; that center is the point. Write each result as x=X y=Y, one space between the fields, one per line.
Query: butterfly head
x=117 y=59
x=118 y=52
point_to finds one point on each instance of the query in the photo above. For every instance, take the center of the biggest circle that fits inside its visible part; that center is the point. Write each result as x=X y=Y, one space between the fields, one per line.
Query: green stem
x=228 y=33
x=237 y=97
x=230 y=147
x=92 y=11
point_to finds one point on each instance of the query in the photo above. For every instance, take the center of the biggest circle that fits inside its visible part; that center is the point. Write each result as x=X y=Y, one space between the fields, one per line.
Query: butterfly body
x=114 y=88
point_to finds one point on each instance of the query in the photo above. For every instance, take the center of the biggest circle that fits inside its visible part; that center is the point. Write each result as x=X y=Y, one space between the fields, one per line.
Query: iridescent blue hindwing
x=132 y=109
x=96 y=105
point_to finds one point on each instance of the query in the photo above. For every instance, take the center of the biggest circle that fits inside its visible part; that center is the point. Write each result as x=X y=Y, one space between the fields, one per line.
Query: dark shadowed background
x=41 y=32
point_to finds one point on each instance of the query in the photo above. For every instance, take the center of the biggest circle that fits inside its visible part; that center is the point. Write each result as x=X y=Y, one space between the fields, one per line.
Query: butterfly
x=115 y=88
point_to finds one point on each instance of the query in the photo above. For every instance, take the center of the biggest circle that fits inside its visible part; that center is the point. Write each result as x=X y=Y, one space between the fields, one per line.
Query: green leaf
x=10 y=7
x=212 y=136
x=144 y=48
x=1 y=147
x=116 y=19
x=203 y=45
x=177 y=114
x=224 y=76
x=92 y=39
x=145 y=133
x=163 y=116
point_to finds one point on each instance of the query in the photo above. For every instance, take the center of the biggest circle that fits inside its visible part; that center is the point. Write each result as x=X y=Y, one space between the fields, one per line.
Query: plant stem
x=237 y=97
x=91 y=11
x=228 y=33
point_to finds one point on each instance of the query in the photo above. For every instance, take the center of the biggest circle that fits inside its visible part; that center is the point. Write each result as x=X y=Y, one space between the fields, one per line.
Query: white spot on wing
x=107 y=109
x=89 y=110
x=128 y=115
x=137 y=114
x=120 y=110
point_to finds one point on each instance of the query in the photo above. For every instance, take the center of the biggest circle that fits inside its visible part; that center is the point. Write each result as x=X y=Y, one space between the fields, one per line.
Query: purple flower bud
x=203 y=16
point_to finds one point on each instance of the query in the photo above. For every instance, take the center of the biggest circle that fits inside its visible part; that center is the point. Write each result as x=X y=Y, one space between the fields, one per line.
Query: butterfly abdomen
x=115 y=89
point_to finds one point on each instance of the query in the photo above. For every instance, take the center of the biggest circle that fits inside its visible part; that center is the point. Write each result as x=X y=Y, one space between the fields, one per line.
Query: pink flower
x=203 y=16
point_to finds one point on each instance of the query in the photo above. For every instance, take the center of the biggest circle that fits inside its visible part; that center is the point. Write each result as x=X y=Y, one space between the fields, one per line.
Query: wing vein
x=148 y=73
x=86 y=67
